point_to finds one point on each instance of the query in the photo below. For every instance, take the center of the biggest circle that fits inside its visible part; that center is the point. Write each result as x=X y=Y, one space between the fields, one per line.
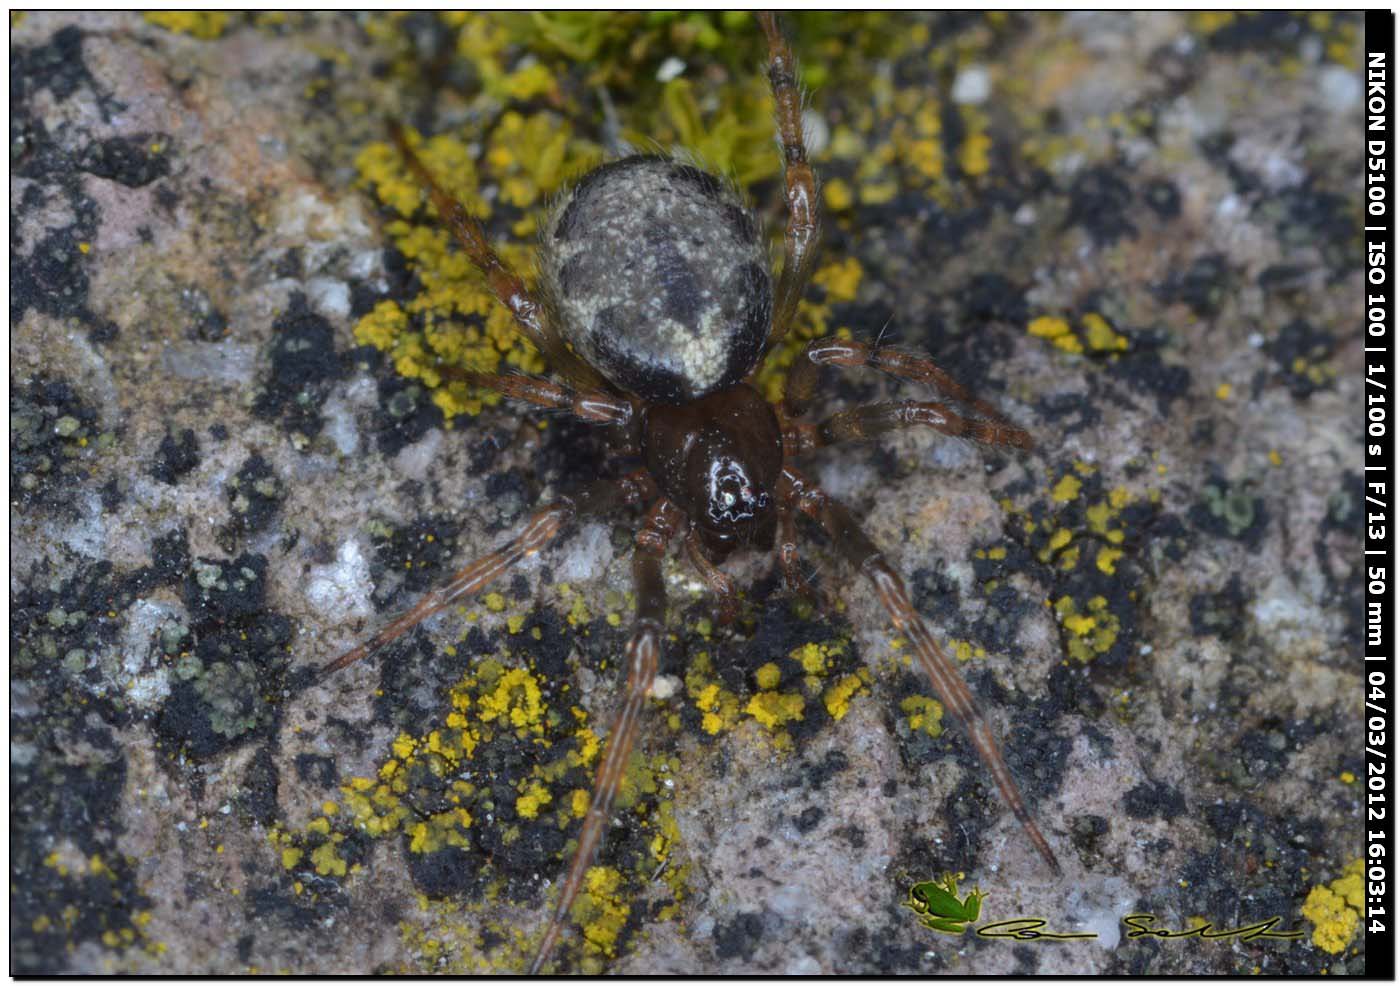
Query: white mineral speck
x=342 y=587
x=972 y=85
x=671 y=68
x=340 y=426
x=329 y=296
x=663 y=687
x=585 y=556
x=1341 y=88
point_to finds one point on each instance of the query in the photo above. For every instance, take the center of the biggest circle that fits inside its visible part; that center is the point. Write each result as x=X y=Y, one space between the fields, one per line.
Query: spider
x=655 y=311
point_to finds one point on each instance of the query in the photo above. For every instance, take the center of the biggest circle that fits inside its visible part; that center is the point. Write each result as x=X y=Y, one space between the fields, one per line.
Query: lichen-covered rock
x=237 y=449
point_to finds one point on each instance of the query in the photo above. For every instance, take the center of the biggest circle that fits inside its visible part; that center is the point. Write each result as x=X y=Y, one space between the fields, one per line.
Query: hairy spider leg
x=871 y=420
x=801 y=383
x=542 y=528
x=642 y=655
x=857 y=548
x=505 y=284
x=593 y=406
x=789 y=560
x=804 y=211
x=721 y=584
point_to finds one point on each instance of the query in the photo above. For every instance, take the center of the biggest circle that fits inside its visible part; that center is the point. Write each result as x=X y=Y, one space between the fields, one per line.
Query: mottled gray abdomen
x=659 y=278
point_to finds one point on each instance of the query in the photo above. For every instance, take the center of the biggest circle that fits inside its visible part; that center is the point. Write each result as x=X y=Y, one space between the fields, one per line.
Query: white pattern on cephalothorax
x=658 y=276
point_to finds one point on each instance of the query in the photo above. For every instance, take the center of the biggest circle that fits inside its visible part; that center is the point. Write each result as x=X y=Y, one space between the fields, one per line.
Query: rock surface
x=1136 y=235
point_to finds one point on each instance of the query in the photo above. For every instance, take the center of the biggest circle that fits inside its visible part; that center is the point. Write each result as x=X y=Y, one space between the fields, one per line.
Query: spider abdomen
x=658 y=277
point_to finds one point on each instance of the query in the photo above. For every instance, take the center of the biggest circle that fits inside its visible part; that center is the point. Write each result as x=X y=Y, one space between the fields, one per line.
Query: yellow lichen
x=1100 y=335
x=1107 y=560
x=1092 y=631
x=1066 y=489
x=528 y=805
x=1335 y=910
x=578 y=802
x=206 y=25
x=601 y=911
x=837 y=698
x=328 y=862
x=775 y=709
x=768 y=676
x=1048 y=327
x=925 y=714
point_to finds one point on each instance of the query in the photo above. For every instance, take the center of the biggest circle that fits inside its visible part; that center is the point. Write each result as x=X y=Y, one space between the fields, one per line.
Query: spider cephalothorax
x=657 y=309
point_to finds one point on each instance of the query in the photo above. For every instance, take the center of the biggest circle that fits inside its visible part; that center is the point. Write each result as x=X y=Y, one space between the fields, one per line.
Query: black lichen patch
x=1231 y=510
x=317 y=770
x=226 y=686
x=991 y=296
x=259 y=789
x=304 y=365
x=69 y=882
x=1153 y=799
x=1204 y=285
x=58 y=67
x=255 y=494
x=1220 y=612
x=48 y=265
x=221 y=592
x=1101 y=200
x=454 y=873
x=1310 y=217
x=1143 y=369
x=133 y=160
x=808 y=819
x=1162 y=198
x=175 y=457
x=1086 y=832
x=206 y=322
x=408 y=410
x=1274 y=31
x=1301 y=351
x=411 y=559
x=53 y=443
x=740 y=937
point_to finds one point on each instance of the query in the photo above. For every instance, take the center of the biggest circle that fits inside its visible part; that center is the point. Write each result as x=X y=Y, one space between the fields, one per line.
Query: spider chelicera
x=655 y=310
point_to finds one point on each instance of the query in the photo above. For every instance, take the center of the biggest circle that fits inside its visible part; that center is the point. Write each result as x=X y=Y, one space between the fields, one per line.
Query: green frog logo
x=939 y=908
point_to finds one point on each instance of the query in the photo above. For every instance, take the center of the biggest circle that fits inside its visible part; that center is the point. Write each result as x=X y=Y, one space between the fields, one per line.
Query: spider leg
x=720 y=583
x=642 y=656
x=788 y=559
x=596 y=406
x=870 y=420
x=505 y=284
x=542 y=528
x=861 y=553
x=804 y=213
x=801 y=383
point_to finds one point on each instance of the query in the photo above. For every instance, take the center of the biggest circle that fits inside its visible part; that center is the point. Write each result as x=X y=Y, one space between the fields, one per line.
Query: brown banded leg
x=596 y=406
x=860 y=551
x=505 y=284
x=789 y=560
x=804 y=211
x=642 y=656
x=539 y=530
x=872 y=420
x=801 y=383
x=720 y=583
